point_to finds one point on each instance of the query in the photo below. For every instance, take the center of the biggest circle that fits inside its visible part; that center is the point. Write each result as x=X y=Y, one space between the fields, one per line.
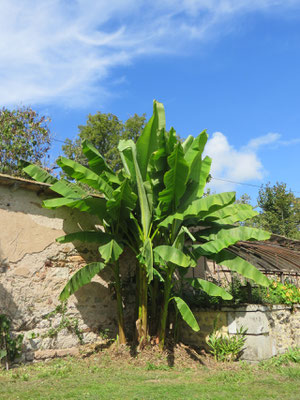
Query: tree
x=280 y=210
x=24 y=135
x=104 y=131
x=150 y=205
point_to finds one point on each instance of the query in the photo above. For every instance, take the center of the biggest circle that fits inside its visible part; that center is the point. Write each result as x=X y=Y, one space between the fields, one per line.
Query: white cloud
x=60 y=51
x=231 y=164
x=263 y=140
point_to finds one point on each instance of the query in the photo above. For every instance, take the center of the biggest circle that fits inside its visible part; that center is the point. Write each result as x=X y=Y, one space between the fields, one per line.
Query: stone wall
x=34 y=269
x=271 y=329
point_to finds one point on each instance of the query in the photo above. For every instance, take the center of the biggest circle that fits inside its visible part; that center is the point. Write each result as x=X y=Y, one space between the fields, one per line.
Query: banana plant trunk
x=122 y=338
x=164 y=315
x=142 y=326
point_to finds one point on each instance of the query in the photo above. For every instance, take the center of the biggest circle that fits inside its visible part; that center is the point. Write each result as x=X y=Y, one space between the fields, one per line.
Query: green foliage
x=81 y=278
x=186 y=313
x=280 y=210
x=276 y=293
x=291 y=356
x=65 y=322
x=104 y=131
x=10 y=347
x=279 y=293
x=24 y=135
x=225 y=347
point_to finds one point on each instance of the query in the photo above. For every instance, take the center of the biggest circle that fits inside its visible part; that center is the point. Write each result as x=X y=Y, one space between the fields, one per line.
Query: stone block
x=257 y=322
x=44 y=354
x=67 y=352
x=259 y=347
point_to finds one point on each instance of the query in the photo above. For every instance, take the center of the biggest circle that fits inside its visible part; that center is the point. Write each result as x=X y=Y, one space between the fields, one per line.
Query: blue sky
x=232 y=67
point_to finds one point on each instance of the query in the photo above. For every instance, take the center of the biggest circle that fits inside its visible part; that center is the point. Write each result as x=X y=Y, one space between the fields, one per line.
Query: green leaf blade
x=111 y=251
x=241 y=266
x=174 y=255
x=186 y=313
x=81 y=278
x=210 y=288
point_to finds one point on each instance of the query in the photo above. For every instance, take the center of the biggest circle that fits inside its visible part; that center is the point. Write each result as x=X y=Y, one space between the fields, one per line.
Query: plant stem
x=122 y=338
x=154 y=306
x=163 y=322
x=144 y=303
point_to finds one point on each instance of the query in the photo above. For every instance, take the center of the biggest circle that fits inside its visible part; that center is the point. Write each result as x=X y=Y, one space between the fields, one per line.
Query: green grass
x=101 y=378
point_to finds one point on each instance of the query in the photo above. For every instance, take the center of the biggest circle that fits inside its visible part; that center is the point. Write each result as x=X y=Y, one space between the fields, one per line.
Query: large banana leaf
x=196 y=148
x=171 y=141
x=96 y=161
x=175 y=179
x=85 y=236
x=186 y=313
x=175 y=256
x=85 y=175
x=181 y=237
x=204 y=173
x=95 y=206
x=111 y=251
x=201 y=208
x=232 y=213
x=187 y=143
x=223 y=238
x=81 y=278
x=39 y=174
x=128 y=153
x=206 y=205
x=210 y=288
x=147 y=143
x=68 y=189
x=237 y=264
x=193 y=157
x=123 y=201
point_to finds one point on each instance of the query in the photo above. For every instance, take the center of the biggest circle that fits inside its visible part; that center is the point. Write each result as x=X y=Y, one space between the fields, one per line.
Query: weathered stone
x=256 y=322
x=76 y=259
x=258 y=347
x=43 y=354
x=73 y=351
x=22 y=271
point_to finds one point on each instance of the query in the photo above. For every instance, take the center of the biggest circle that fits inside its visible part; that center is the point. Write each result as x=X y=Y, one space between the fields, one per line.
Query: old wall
x=271 y=329
x=34 y=269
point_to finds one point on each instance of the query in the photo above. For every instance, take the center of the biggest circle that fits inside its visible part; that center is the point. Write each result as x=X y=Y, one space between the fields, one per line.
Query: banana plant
x=108 y=196
x=151 y=205
x=171 y=179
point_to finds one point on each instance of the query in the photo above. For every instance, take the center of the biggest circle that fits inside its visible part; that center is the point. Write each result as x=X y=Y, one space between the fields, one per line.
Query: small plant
x=70 y=323
x=291 y=356
x=286 y=293
x=226 y=347
x=153 y=367
x=10 y=347
x=276 y=293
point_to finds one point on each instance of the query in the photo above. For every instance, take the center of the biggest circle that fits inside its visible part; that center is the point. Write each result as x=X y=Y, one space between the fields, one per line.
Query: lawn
x=102 y=377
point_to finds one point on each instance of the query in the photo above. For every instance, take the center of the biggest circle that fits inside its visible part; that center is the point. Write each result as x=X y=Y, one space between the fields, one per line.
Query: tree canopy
x=279 y=210
x=24 y=135
x=104 y=131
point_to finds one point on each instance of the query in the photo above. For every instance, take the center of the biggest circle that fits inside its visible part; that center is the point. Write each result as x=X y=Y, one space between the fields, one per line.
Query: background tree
x=23 y=135
x=280 y=210
x=104 y=131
